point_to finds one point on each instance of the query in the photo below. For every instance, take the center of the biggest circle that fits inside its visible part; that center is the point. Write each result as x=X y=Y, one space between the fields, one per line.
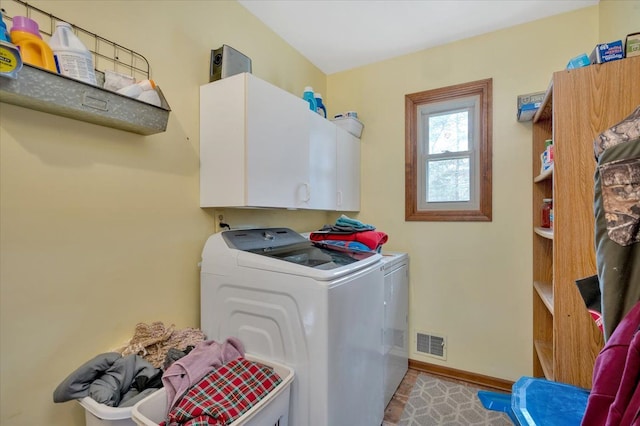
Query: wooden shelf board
x=545 y=291
x=545 y=110
x=547 y=174
x=544 y=232
x=545 y=355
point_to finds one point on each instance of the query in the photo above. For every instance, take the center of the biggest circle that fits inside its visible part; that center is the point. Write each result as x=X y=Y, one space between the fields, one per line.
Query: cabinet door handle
x=308 y=192
x=339 y=198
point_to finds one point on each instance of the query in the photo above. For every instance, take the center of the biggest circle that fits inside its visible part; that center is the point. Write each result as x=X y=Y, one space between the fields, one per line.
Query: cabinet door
x=222 y=147
x=277 y=151
x=322 y=164
x=348 y=172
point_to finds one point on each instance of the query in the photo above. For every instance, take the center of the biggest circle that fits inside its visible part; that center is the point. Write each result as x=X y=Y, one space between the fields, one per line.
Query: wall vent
x=431 y=344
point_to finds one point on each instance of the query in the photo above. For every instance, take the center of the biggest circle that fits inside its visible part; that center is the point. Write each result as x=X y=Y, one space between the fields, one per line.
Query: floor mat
x=436 y=402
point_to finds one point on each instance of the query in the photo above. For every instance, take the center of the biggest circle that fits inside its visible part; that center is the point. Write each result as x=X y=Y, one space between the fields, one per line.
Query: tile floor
x=394 y=410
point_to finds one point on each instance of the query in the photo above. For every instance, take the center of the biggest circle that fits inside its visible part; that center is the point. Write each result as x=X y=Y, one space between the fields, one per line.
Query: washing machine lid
x=284 y=250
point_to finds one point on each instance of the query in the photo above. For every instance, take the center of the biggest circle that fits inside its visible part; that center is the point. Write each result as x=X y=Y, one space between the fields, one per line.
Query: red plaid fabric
x=224 y=394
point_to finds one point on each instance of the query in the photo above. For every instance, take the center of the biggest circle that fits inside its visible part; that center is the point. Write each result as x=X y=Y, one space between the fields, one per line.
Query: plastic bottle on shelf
x=72 y=56
x=308 y=96
x=134 y=90
x=151 y=97
x=320 y=105
x=144 y=90
x=547 y=206
x=25 y=34
x=10 y=61
x=548 y=148
x=4 y=34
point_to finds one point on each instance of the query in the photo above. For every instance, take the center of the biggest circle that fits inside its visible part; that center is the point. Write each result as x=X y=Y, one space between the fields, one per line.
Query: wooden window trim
x=482 y=88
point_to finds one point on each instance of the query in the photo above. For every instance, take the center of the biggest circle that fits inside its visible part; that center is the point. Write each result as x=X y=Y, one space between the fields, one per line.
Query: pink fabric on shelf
x=190 y=369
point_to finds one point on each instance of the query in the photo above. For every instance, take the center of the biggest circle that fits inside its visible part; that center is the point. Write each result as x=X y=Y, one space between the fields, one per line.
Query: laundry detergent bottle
x=25 y=34
x=72 y=56
x=308 y=96
x=4 y=34
x=321 y=109
x=10 y=61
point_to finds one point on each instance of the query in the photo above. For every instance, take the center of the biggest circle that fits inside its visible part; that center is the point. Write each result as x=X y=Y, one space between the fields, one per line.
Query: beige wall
x=470 y=282
x=101 y=229
x=617 y=19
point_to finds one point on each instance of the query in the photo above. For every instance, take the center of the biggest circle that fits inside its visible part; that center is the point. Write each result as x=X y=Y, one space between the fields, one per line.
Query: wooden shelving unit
x=579 y=104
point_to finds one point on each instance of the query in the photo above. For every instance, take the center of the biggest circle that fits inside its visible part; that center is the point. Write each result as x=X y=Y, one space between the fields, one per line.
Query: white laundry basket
x=270 y=410
x=97 y=414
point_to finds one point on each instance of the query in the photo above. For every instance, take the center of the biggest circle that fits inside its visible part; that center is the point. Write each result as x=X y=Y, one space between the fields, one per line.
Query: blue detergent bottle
x=308 y=96
x=11 y=62
x=320 y=105
x=4 y=34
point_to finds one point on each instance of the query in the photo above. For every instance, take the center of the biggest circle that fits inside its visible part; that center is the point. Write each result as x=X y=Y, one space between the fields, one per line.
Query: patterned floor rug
x=436 y=402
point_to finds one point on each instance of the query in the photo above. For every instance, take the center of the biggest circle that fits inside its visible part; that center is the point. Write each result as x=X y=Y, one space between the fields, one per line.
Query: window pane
x=449 y=132
x=448 y=153
x=448 y=180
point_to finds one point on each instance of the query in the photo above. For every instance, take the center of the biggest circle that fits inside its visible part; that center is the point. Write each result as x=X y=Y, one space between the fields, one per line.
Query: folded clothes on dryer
x=372 y=239
x=345 y=246
x=346 y=221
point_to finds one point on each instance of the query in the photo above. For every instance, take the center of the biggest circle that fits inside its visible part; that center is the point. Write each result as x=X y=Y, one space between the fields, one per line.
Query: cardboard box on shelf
x=530 y=98
x=528 y=105
x=579 y=62
x=607 y=52
x=527 y=111
x=632 y=45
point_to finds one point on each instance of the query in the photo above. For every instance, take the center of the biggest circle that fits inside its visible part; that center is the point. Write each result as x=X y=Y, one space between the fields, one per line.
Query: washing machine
x=396 y=321
x=316 y=310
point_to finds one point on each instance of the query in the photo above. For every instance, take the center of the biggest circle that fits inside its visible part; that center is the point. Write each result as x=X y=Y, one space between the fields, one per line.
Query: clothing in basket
x=224 y=394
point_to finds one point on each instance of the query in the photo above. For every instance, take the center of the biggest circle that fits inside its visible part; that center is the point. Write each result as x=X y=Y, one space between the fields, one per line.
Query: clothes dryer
x=396 y=321
x=318 y=311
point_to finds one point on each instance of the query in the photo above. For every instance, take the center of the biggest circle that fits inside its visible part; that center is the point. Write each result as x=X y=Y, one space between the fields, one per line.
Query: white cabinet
x=348 y=171
x=253 y=147
x=261 y=146
x=322 y=164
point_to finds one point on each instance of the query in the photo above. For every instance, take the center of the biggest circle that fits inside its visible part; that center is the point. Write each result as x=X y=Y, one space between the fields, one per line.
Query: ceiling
x=337 y=35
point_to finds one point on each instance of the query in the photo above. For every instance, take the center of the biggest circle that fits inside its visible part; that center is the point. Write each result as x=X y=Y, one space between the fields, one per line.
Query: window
x=448 y=153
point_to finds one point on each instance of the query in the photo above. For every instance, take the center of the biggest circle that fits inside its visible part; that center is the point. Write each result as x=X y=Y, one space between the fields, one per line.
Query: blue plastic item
x=539 y=402
x=4 y=34
x=579 y=62
x=497 y=402
x=544 y=402
x=321 y=109
x=308 y=96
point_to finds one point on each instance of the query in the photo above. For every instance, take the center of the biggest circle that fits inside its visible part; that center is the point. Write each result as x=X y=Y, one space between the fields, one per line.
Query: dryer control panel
x=262 y=239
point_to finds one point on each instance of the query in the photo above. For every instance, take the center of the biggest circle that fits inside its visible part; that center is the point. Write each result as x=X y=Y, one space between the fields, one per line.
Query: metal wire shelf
x=107 y=55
